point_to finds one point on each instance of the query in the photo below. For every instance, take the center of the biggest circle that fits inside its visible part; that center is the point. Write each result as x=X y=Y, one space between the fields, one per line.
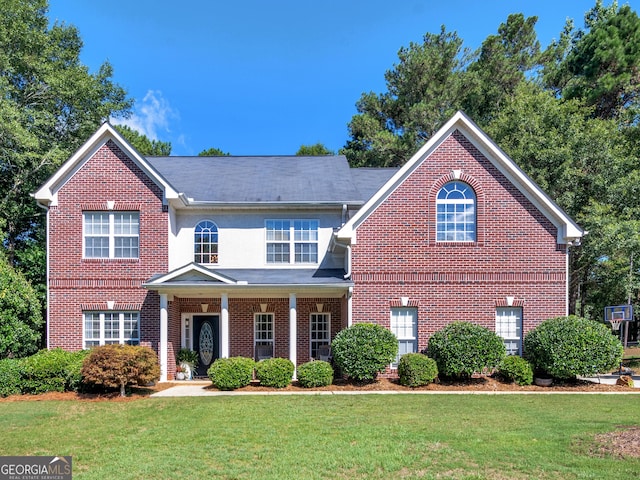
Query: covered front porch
x=289 y=313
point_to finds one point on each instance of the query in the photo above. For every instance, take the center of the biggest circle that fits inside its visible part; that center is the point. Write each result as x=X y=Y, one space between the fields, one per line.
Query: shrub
x=275 y=372
x=516 y=369
x=315 y=374
x=10 y=377
x=120 y=365
x=20 y=313
x=363 y=350
x=462 y=348
x=231 y=373
x=568 y=346
x=54 y=370
x=416 y=369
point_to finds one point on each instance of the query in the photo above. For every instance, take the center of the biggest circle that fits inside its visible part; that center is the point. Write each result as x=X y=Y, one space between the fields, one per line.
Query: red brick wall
x=76 y=284
x=396 y=254
x=241 y=318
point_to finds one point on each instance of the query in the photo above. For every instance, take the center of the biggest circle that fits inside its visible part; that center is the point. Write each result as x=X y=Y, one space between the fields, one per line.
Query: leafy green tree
x=605 y=65
x=314 y=150
x=49 y=105
x=20 y=314
x=576 y=159
x=503 y=61
x=423 y=90
x=143 y=144
x=213 y=152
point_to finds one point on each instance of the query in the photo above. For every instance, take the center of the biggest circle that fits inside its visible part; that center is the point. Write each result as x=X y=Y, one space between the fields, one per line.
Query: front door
x=206 y=341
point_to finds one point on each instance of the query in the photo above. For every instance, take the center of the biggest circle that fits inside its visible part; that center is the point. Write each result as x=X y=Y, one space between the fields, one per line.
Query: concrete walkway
x=198 y=389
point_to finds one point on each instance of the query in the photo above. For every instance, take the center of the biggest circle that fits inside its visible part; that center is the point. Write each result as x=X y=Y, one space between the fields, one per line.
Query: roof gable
x=47 y=193
x=191 y=273
x=568 y=230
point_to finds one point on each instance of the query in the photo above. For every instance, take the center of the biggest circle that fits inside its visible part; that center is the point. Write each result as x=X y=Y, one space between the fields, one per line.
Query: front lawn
x=325 y=437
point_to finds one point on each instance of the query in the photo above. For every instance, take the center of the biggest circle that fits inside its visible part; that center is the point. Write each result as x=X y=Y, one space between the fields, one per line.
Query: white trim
x=293 y=333
x=188 y=268
x=224 y=326
x=311 y=340
x=273 y=332
x=46 y=195
x=102 y=340
x=291 y=242
x=164 y=336
x=568 y=230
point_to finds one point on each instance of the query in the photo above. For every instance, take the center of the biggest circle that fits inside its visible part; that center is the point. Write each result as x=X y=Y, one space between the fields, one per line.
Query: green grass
x=327 y=437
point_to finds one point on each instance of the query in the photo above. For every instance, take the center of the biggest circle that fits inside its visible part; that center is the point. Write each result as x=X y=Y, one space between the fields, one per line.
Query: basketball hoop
x=615 y=324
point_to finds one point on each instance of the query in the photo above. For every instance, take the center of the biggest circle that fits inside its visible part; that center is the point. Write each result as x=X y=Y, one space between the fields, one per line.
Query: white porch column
x=224 y=326
x=349 y=307
x=293 y=332
x=164 y=335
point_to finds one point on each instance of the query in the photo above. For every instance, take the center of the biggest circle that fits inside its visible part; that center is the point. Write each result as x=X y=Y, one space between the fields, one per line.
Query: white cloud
x=151 y=115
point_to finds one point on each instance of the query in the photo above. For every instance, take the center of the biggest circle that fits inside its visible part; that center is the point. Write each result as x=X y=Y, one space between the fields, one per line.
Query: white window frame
x=257 y=318
x=187 y=331
x=509 y=327
x=111 y=234
x=317 y=337
x=406 y=333
x=211 y=230
x=103 y=337
x=295 y=240
x=463 y=208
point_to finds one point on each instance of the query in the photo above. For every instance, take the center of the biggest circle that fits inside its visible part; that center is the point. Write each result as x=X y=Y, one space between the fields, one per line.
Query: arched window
x=456 y=213
x=205 y=242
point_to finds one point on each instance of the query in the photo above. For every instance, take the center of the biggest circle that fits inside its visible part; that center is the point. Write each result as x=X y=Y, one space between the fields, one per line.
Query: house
x=272 y=256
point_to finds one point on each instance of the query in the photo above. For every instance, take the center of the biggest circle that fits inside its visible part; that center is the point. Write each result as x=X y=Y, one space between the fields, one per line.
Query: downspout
x=347 y=257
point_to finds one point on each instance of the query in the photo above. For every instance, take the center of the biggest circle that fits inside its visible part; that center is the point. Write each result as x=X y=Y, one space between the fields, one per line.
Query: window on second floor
x=456 y=213
x=111 y=234
x=292 y=241
x=205 y=242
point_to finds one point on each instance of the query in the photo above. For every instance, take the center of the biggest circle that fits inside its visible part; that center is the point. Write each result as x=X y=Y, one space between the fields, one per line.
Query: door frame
x=186 y=329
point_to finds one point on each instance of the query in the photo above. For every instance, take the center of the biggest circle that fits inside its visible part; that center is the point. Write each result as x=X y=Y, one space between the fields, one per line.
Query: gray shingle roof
x=260 y=179
x=273 y=179
x=369 y=180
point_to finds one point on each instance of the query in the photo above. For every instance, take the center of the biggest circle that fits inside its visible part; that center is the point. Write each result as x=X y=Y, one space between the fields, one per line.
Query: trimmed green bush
x=54 y=370
x=516 y=369
x=363 y=350
x=275 y=372
x=315 y=374
x=231 y=373
x=568 y=346
x=10 y=377
x=416 y=370
x=116 y=366
x=463 y=348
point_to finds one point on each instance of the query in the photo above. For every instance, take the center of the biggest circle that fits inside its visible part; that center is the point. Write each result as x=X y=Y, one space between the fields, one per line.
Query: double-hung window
x=509 y=327
x=320 y=332
x=111 y=234
x=404 y=325
x=263 y=334
x=104 y=328
x=286 y=236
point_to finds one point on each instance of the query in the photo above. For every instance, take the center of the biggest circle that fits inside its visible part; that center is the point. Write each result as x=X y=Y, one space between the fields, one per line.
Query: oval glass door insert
x=206 y=343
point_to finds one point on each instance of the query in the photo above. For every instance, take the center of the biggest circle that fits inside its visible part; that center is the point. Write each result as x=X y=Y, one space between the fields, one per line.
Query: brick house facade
x=293 y=256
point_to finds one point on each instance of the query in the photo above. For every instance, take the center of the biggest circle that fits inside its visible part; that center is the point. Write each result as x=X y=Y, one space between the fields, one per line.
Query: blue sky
x=258 y=77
